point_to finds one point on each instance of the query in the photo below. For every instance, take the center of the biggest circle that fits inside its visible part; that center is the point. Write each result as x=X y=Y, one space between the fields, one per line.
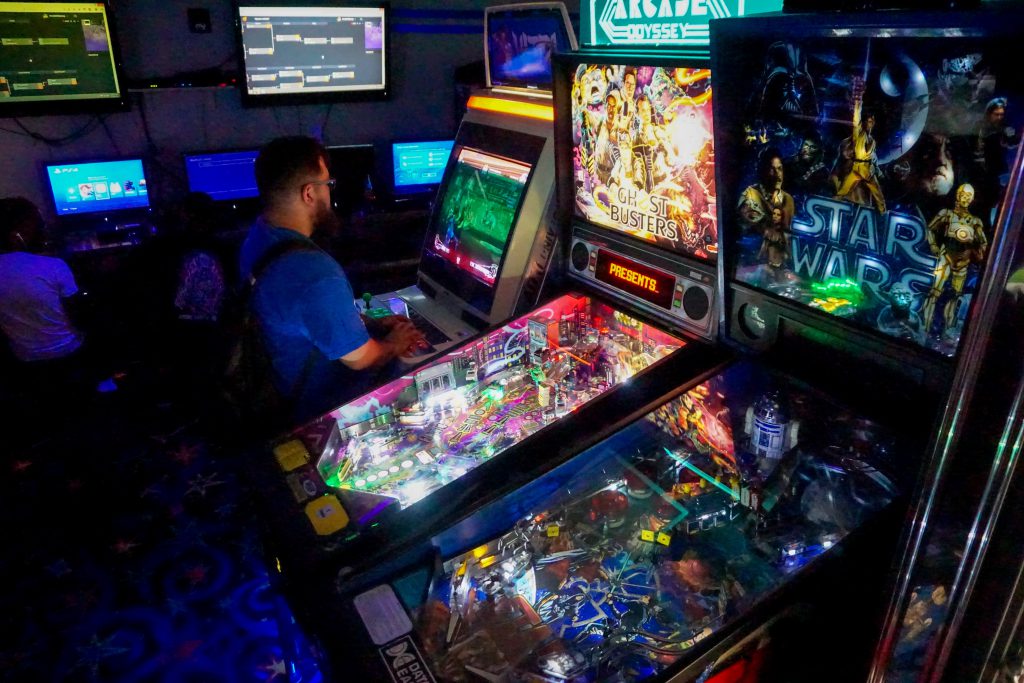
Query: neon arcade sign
x=661 y=22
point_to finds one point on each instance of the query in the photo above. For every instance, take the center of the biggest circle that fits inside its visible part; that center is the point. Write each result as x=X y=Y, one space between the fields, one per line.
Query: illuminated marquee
x=624 y=273
x=635 y=278
x=661 y=22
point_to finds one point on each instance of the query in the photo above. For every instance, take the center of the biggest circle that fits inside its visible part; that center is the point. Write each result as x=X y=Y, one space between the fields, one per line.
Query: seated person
x=318 y=345
x=33 y=289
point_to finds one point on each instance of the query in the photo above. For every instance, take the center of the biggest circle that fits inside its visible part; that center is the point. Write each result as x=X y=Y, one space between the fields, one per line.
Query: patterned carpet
x=130 y=555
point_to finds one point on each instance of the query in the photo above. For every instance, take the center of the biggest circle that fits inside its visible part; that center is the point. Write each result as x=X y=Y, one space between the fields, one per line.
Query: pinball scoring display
x=632 y=277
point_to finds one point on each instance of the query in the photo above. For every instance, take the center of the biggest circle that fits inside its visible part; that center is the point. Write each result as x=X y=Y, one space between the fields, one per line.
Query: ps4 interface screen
x=412 y=436
x=471 y=229
x=293 y=50
x=643 y=154
x=871 y=173
x=520 y=47
x=98 y=187
x=55 y=51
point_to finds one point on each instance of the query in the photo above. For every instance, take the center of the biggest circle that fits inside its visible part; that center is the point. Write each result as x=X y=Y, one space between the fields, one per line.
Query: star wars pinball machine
x=955 y=610
x=742 y=527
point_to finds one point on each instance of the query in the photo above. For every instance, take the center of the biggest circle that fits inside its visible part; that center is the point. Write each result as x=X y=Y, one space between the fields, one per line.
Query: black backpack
x=250 y=398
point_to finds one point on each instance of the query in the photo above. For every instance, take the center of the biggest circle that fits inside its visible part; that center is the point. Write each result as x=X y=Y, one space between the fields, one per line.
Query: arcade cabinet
x=491 y=233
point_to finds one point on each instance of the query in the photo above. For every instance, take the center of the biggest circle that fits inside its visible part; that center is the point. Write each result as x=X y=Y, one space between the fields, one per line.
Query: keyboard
x=432 y=333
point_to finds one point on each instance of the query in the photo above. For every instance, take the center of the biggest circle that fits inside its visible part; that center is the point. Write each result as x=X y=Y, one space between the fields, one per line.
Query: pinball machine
x=740 y=513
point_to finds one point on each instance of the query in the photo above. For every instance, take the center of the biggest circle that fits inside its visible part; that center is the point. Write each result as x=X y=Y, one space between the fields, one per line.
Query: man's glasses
x=331 y=183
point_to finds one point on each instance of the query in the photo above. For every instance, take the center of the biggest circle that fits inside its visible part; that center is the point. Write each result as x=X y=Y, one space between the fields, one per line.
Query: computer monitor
x=419 y=166
x=519 y=41
x=353 y=166
x=472 y=226
x=312 y=52
x=58 y=58
x=98 y=186
x=225 y=176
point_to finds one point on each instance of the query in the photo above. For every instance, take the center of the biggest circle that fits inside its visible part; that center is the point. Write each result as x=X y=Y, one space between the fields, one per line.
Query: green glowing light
x=707 y=477
x=835 y=287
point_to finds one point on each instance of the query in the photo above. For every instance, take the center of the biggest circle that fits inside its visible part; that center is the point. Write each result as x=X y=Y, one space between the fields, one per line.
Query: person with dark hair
x=760 y=199
x=319 y=348
x=33 y=289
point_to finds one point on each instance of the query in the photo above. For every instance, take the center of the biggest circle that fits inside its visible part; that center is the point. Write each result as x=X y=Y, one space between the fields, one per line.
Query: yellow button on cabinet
x=291 y=455
x=327 y=515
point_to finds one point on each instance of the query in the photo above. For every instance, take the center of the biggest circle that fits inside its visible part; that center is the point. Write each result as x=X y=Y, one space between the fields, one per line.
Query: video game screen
x=419 y=165
x=412 y=436
x=481 y=199
x=313 y=50
x=56 y=51
x=98 y=186
x=223 y=175
x=520 y=46
x=615 y=565
x=868 y=172
x=644 y=155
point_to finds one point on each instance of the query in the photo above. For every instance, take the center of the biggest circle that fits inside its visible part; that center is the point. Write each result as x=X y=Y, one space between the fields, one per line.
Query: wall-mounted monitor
x=643 y=154
x=520 y=42
x=418 y=167
x=225 y=176
x=98 y=186
x=58 y=58
x=313 y=52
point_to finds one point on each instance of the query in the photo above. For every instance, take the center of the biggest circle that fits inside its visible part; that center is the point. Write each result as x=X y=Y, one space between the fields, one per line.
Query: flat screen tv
x=868 y=159
x=418 y=167
x=313 y=52
x=520 y=41
x=225 y=176
x=98 y=186
x=58 y=58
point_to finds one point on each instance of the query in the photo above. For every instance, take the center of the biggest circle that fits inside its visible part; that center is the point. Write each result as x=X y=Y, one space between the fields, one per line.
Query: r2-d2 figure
x=769 y=428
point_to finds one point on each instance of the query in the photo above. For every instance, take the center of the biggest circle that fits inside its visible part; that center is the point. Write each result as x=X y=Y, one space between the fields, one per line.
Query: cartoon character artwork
x=874 y=164
x=644 y=154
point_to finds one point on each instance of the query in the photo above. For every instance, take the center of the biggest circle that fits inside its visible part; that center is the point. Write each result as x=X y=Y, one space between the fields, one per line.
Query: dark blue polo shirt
x=304 y=304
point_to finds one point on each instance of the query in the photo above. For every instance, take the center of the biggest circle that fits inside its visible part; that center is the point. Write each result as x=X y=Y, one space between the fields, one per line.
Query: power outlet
x=199 y=20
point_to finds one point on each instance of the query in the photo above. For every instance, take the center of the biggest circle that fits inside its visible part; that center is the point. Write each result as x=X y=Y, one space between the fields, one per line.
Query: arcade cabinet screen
x=223 y=175
x=520 y=45
x=98 y=186
x=419 y=166
x=55 y=52
x=480 y=204
x=869 y=172
x=313 y=50
x=643 y=154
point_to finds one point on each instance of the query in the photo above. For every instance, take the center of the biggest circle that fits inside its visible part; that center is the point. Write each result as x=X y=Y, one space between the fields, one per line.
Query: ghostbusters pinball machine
x=371 y=482
x=743 y=527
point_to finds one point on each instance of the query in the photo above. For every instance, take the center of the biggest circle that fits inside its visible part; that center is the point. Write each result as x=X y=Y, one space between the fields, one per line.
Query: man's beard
x=326 y=221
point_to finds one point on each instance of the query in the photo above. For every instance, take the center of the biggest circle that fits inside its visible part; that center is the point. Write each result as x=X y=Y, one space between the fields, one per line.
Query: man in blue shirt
x=319 y=347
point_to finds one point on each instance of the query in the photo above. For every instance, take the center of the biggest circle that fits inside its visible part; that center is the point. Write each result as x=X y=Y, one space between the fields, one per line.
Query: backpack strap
x=266 y=259
x=273 y=253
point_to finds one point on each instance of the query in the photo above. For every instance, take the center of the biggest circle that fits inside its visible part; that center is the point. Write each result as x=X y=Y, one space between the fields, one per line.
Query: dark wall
x=425 y=50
